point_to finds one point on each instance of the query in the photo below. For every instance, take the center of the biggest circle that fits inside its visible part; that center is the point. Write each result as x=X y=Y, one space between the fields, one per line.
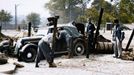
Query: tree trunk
x=5 y=25
x=1 y=27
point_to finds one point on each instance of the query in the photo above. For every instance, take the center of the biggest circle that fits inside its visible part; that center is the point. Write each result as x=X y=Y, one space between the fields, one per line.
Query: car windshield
x=73 y=31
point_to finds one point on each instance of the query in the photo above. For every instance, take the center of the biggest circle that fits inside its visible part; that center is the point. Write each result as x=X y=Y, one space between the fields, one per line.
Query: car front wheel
x=29 y=54
x=79 y=48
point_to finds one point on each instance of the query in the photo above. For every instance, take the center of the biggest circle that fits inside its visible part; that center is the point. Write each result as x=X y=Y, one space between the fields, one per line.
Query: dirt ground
x=100 y=64
x=97 y=64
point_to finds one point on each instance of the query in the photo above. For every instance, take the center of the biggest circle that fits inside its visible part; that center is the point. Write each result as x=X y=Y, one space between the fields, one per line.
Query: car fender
x=27 y=45
x=78 y=39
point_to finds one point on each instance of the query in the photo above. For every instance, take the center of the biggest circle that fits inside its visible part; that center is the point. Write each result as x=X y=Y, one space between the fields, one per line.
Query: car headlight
x=17 y=46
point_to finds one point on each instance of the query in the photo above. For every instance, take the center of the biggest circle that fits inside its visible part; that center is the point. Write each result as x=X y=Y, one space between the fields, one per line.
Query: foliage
x=73 y=10
x=126 y=11
x=81 y=19
x=34 y=18
x=92 y=13
x=24 y=24
x=123 y=10
x=68 y=10
x=4 y=17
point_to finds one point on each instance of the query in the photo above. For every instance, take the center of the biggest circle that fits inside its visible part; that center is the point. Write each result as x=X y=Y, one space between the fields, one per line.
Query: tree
x=34 y=18
x=68 y=10
x=93 y=12
x=5 y=17
x=24 y=24
x=126 y=11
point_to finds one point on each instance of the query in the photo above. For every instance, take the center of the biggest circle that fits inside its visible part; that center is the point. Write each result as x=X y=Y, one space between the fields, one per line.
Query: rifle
x=54 y=22
x=98 y=27
x=130 y=39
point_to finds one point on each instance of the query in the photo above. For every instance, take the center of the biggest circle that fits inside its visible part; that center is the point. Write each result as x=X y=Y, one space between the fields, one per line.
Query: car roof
x=43 y=30
x=62 y=25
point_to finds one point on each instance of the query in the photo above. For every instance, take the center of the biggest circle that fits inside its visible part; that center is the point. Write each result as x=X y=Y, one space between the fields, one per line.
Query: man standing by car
x=45 y=49
x=90 y=34
x=64 y=36
x=118 y=37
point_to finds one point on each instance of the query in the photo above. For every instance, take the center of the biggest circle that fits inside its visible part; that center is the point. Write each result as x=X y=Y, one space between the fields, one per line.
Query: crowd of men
x=45 y=44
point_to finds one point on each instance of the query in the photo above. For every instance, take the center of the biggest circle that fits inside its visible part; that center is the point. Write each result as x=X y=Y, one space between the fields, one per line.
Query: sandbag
x=3 y=59
x=104 y=47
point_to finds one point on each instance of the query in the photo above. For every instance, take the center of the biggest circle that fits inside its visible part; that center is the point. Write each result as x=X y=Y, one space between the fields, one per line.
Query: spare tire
x=104 y=47
x=3 y=59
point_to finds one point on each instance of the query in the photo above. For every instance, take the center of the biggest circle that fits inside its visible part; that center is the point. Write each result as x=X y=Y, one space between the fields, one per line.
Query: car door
x=61 y=45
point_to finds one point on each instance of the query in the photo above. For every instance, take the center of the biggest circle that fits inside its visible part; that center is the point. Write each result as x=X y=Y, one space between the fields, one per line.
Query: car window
x=50 y=30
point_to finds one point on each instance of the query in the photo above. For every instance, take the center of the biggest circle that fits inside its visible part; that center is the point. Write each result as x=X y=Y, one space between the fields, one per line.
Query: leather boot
x=36 y=65
x=52 y=65
x=70 y=55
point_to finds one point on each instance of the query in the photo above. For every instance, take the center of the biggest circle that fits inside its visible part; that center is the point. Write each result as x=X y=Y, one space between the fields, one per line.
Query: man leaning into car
x=67 y=38
x=45 y=49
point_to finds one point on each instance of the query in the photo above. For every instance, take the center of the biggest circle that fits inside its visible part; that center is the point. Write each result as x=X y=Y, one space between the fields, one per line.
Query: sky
x=25 y=7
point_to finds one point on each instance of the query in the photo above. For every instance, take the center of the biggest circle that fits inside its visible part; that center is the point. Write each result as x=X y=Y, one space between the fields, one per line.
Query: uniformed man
x=90 y=34
x=45 y=49
x=118 y=37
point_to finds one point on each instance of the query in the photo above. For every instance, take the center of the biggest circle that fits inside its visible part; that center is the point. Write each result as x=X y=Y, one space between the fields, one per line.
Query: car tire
x=79 y=48
x=29 y=54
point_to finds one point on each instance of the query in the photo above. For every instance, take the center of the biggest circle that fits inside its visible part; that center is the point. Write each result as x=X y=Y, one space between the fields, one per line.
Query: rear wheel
x=79 y=48
x=29 y=54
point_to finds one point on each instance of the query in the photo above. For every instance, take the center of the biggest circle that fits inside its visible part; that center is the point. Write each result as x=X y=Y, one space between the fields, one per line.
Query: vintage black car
x=26 y=48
